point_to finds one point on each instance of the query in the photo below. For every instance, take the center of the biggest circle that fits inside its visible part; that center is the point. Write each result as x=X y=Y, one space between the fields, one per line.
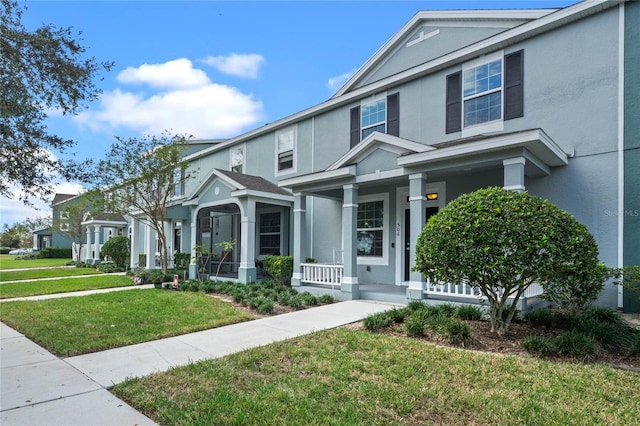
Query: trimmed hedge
x=55 y=253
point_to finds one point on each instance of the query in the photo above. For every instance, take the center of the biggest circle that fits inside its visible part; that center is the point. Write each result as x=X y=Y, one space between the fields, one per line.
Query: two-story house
x=546 y=101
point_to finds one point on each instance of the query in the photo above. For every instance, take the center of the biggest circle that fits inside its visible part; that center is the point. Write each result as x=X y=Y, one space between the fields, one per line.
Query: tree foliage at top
x=39 y=71
x=138 y=177
x=501 y=242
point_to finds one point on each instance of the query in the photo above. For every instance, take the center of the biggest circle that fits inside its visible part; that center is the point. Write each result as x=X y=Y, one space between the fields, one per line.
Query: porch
x=321 y=279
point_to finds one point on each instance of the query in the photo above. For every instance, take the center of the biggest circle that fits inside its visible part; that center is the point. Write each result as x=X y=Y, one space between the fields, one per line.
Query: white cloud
x=176 y=74
x=335 y=83
x=201 y=108
x=12 y=210
x=238 y=65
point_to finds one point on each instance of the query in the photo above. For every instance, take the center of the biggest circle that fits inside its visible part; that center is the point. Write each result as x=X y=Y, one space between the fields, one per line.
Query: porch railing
x=467 y=291
x=322 y=273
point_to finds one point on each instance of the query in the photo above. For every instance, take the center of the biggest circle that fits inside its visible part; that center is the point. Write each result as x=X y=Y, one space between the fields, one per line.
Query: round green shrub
x=117 y=249
x=457 y=332
x=539 y=345
x=575 y=344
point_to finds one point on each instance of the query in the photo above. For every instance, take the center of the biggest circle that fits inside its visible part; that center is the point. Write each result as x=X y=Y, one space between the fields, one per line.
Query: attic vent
x=423 y=37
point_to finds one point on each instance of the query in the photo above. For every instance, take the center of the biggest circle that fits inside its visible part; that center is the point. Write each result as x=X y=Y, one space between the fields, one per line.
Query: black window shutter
x=393 y=114
x=355 y=126
x=454 y=102
x=513 y=85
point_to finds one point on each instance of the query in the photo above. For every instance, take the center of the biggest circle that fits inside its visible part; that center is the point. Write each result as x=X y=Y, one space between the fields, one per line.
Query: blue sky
x=217 y=69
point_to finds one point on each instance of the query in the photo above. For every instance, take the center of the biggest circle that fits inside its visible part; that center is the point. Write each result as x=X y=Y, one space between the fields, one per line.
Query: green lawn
x=349 y=377
x=33 y=274
x=62 y=285
x=77 y=325
x=10 y=262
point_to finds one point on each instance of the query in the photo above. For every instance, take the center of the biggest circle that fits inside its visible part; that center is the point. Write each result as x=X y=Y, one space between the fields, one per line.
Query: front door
x=430 y=211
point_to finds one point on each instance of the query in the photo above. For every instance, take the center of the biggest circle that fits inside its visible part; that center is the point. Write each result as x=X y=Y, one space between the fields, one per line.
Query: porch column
x=299 y=237
x=247 y=270
x=514 y=173
x=418 y=217
x=150 y=247
x=193 y=267
x=349 y=287
x=88 y=246
x=135 y=249
x=96 y=254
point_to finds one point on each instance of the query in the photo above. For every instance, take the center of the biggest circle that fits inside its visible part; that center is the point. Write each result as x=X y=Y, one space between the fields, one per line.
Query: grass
x=33 y=274
x=77 y=325
x=8 y=261
x=62 y=285
x=348 y=377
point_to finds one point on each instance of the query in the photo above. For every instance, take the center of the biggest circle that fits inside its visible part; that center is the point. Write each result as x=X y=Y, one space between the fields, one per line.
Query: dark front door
x=430 y=211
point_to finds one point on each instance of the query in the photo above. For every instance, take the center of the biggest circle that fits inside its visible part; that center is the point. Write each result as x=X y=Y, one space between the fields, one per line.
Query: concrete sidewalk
x=39 y=388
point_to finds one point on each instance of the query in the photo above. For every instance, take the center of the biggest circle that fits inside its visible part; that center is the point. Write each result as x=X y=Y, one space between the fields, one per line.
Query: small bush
x=156 y=276
x=182 y=260
x=457 y=332
x=295 y=302
x=633 y=347
x=117 y=249
x=575 y=344
x=377 y=322
x=109 y=268
x=266 y=307
x=446 y=309
x=398 y=315
x=415 y=305
x=325 y=298
x=539 y=345
x=603 y=315
x=415 y=324
x=608 y=335
x=308 y=299
x=469 y=313
x=280 y=268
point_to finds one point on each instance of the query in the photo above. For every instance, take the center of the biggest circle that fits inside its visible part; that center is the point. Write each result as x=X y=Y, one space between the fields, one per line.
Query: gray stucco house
x=546 y=101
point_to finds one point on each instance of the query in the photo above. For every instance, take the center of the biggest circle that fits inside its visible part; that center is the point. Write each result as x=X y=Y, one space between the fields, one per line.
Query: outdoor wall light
x=432 y=196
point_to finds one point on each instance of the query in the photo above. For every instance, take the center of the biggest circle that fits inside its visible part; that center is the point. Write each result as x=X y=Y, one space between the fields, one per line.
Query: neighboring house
x=546 y=101
x=51 y=237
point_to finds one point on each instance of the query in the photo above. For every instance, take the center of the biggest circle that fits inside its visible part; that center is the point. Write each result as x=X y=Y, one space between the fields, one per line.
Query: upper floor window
x=486 y=92
x=178 y=183
x=286 y=141
x=378 y=114
x=482 y=88
x=236 y=159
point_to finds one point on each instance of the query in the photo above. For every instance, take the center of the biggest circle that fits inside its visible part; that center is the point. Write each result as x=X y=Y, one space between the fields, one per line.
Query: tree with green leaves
x=41 y=70
x=139 y=176
x=501 y=242
x=20 y=234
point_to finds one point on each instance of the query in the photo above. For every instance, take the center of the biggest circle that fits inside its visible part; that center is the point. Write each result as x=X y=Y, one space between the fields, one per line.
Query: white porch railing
x=322 y=273
x=465 y=290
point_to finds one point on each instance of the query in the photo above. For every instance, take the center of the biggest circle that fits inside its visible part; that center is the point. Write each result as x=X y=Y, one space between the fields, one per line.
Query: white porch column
x=299 y=236
x=135 y=249
x=150 y=247
x=88 y=246
x=418 y=217
x=193 y=229
x=350 y=287
x=247 y=270
x=96 y=253
x=514 y=173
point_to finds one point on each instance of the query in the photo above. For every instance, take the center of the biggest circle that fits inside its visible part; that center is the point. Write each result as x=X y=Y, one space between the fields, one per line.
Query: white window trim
x=294 y=168
x=489 y=126
x=373 y=99
x=244 y=156
x=384 y=259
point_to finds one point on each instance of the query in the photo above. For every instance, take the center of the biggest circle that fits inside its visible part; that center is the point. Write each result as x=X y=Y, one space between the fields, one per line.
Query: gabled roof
x=506 y=18
x=58 y=198
x=239 y=182
x=104 y=218
x=377 y=140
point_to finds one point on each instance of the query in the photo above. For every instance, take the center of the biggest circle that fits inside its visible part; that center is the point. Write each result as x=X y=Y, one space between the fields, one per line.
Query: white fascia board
x=261 y=194
x=491 y=143
x=422 y=18
x=538 y=26
x=380 y=175
x=318 y=177
x=374 y=140
x=104 y=222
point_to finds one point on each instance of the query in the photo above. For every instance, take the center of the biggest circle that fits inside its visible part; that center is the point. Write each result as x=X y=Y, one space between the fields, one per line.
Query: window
x=285 y=150
x=370 y=228
x=236 y=159
x=489 y=90
x=64 y=226
x=482 y=92
x=380 y=114
x=270 y=233
x=178 y=183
